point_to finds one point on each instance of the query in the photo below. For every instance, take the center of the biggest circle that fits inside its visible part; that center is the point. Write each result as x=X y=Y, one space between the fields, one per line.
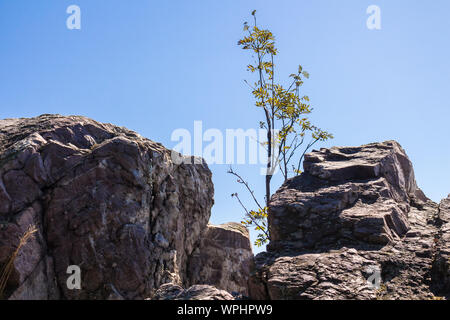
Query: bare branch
x=242 y=181
x=304 y=152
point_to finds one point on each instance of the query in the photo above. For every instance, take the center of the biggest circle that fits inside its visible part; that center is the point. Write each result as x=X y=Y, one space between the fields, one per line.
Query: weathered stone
x=172 y=291
x=346 y=193
x=355 y=211
x=223 y=259
x=102 y=197
x=441 y=266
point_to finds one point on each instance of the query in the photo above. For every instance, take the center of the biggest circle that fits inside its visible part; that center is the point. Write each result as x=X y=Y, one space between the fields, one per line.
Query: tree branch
x=242 y=181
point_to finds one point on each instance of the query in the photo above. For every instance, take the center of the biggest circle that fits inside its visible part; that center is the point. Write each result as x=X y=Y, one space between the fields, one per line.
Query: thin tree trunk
x=268 y=178
x=269 y=165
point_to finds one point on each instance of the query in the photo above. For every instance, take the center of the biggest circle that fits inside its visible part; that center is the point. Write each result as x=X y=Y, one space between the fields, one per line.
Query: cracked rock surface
x=223 y=258
x=102 y=197
x=355 y=225
x=170 y=291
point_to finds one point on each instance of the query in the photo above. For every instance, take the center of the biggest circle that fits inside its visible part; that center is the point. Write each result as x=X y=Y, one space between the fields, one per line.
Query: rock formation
x=441 y=265
x=170 y=291
x=102 y=198
x=354 y=216
x=354 y=225
x=223 y=259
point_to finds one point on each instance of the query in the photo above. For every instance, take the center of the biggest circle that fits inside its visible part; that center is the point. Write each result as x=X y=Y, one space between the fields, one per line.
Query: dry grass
x=381 y=294
x=7 y=269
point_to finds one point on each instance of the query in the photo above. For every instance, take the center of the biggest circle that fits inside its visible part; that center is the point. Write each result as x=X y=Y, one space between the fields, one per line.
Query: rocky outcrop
x=103 y=198
x=170 y=291
x=441 y=266
x=223 y=259
x=354 y=225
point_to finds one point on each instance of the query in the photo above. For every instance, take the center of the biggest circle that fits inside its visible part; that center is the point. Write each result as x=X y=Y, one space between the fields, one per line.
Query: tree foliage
x=285 y=119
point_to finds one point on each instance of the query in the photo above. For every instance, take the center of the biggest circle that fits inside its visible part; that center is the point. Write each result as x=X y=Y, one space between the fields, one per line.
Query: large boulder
x=360 y=194
x=170 y=291
x=223 y=258
x=103 y=198
x=354 y=225
x=441 y=266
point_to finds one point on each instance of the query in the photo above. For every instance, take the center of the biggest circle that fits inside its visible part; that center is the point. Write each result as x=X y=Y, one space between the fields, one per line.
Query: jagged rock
x=353 y=213
x=103 y=198
x=441 y=266
x=170 y=291
x=223 y=259
x=359 y=193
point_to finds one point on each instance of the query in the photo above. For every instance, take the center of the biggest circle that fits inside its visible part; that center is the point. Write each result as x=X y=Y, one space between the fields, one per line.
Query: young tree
x=285 y=119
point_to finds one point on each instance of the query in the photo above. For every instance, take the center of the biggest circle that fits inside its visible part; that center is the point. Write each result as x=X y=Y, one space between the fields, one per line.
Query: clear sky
x=155 y=66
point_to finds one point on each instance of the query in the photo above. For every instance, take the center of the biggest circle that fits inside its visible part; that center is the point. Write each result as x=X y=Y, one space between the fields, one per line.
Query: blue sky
x=155 y=66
